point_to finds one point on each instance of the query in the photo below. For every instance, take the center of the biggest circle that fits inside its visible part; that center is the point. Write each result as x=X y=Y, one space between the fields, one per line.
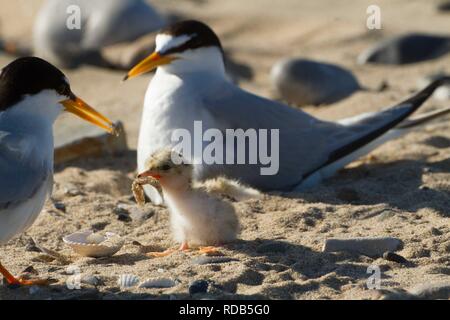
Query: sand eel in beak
x=33 y=93
x=190 y=85
x=58 y=39
x=197 y=217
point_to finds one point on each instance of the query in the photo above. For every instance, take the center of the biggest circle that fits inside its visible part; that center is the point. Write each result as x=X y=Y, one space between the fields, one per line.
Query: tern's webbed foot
x=30 y=282
x=22 y=281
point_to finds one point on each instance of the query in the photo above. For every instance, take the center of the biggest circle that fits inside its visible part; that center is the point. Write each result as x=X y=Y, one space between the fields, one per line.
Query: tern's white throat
x=34 y=113
x=203 y=59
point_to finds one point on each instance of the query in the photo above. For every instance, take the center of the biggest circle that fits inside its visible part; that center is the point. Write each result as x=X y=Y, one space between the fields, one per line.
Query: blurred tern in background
x=190 y=85
x=103 y=23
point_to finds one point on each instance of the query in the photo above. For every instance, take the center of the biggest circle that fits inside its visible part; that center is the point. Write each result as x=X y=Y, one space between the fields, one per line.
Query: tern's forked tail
x=393 y=129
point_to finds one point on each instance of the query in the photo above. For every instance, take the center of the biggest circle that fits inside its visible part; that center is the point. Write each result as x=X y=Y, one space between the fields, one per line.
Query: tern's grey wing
x=302 y=138
x=307 y=145
x=20 y=176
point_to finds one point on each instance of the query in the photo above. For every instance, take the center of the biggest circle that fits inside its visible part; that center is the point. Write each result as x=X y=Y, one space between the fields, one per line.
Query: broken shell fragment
x=127 y=281
x=138 y=192
x=94 y=245
x=157 y=283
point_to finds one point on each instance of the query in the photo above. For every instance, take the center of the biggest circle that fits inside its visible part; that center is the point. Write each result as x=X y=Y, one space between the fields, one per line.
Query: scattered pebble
x=71 y=190
x=432 y=291
x=272 y=247
x=306 y=82
x=386 y=214
x=31 y=246
x=34 y=290
x=372 y=247
x=44 y=258
x=121 y=210
x=124 y=217
x=139 y=215
x=391 y=256
x=90 y=279
x=59 y=206
x=435 y=231
x=72 y=269
x=198 y=286
x=30 y=270
x=202 y=260
x=407 y=48
x=128 y=213
x=348 y=195
x=99 y=226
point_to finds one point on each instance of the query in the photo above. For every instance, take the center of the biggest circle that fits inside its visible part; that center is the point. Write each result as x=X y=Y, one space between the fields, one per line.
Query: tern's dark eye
x=64 y=90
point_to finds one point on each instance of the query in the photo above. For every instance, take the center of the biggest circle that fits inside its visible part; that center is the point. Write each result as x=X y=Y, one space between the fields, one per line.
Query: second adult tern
x=190 y=85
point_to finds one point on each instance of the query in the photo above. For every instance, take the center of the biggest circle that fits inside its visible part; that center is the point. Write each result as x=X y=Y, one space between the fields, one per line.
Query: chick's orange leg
x=20 y=281
x=183 y=247
x=211 y=250
x=162 y=254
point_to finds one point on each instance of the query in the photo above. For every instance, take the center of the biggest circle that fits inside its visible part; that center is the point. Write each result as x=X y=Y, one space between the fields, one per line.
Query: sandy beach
x=401 y=190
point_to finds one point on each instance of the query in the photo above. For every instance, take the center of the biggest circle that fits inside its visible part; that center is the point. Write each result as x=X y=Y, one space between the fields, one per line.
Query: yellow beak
x=84 y=111
x=148 y=64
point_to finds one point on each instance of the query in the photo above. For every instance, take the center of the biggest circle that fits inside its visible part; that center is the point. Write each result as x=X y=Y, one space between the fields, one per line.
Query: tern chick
x=198 y=217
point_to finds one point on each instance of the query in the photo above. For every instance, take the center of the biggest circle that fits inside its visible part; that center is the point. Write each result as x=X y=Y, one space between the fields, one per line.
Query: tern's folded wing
x=306 y=143
x=302 y=138
x=21 y=174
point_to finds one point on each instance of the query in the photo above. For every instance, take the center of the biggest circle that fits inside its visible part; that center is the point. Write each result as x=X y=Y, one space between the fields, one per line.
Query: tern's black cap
x=201 y=36
x=28 y=76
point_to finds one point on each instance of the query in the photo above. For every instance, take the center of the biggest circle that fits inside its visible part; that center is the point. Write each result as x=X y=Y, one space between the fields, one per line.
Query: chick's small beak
x=80 y=108
x=150 y=173
x=148 y=64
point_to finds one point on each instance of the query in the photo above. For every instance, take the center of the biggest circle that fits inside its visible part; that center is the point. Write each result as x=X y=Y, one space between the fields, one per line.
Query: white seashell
x=73 y=269
x=90 y=279
x=127 y=281
x=88 y=244
x=157 y=283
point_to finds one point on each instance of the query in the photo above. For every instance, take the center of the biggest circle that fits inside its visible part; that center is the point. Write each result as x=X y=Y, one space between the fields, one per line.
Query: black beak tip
x=125 y=78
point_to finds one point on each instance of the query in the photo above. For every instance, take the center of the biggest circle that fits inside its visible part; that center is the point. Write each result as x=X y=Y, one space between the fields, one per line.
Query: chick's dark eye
x=165 y=167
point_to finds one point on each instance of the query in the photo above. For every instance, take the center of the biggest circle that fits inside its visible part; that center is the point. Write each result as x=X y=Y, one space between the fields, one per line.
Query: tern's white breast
x=18 y=218
x=171 y=103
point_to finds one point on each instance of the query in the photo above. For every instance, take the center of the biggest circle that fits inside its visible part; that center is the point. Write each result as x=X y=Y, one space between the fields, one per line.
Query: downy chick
x=197 y=217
